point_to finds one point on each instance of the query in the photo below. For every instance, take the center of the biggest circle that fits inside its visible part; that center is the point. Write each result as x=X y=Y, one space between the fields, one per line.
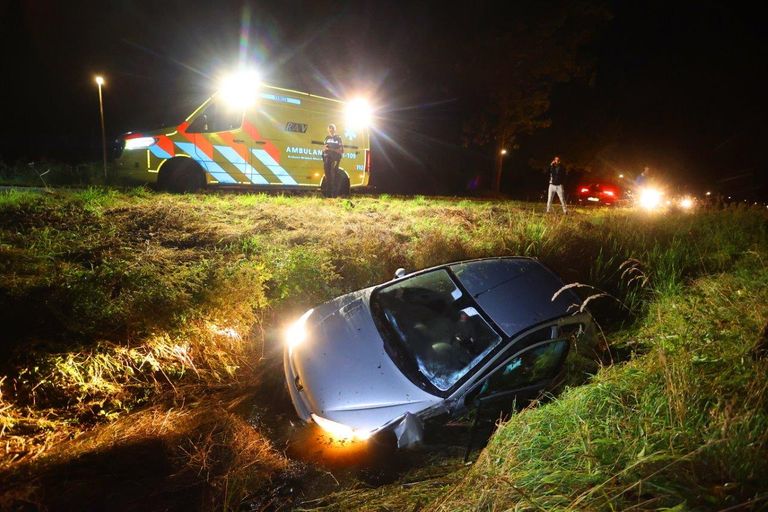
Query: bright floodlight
x=239 y=90
x=686 y=203
x=650 y=198
x=99 y=80
x=359 y=113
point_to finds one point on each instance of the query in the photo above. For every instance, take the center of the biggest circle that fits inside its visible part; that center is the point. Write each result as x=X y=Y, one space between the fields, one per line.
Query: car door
x=218 y=143
x=521 y=377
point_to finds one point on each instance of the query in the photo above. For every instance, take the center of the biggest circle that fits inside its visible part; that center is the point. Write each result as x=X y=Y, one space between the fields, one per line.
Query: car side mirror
x=400 y=272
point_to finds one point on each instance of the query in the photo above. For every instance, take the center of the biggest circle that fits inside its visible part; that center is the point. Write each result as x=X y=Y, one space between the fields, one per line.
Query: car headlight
x=297 y=332
x=338 y=431
x=139 y=143
x=650 y=198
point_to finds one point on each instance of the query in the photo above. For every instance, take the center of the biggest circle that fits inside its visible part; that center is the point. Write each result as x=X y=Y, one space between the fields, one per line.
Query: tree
x=511 y=71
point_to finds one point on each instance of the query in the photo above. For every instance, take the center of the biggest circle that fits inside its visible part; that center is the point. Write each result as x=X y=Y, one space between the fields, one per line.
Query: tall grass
x=683 y=426
x=46 y=174
x=113 y=299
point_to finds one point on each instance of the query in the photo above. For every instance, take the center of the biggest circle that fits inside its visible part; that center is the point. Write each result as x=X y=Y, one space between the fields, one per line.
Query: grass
x=682 y=427
x=116 y=304
x=196 y=456
x=46 y=174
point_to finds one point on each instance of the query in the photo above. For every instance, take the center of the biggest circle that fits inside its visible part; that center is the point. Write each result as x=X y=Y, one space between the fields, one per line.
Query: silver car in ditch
x=427 y=346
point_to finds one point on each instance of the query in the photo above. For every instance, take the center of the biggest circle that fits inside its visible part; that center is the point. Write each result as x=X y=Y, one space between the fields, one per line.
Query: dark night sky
x=680 y=87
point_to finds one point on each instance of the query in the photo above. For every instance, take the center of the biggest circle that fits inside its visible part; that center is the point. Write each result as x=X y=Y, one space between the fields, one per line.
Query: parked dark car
x=428 y=346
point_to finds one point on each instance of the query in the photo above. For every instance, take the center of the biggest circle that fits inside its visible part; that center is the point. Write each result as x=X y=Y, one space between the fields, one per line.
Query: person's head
x=331 y=129
x=556 y=160
x=646 y=171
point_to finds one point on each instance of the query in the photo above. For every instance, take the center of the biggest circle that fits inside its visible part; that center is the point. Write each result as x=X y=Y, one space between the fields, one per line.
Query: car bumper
x=292 y=381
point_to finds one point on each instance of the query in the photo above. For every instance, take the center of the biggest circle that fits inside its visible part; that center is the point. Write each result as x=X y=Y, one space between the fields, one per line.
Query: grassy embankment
x=135 y=324
x=681 y=426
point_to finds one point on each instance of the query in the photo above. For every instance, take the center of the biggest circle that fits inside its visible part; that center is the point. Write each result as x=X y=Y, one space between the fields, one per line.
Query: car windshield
x=435 y=326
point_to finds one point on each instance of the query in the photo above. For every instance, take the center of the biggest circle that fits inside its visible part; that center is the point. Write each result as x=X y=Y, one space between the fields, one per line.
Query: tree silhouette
x=512 y=69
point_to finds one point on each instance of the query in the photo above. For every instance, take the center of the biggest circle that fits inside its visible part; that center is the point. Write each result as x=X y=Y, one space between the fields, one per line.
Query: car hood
x=344 y=372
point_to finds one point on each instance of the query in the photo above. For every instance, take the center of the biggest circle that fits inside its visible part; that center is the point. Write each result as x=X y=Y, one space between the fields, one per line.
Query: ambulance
x=261 y=138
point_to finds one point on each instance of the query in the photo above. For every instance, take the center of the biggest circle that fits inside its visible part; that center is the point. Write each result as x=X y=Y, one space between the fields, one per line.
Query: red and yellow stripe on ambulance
x=276 y=142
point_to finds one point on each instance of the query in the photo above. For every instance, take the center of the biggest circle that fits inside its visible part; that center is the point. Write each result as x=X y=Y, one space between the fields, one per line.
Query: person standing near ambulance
x=556 y=181
x=333 y=148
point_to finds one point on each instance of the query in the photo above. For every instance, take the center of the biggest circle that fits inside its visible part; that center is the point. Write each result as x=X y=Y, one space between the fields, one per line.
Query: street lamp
x=100 y=81
x=499 y=167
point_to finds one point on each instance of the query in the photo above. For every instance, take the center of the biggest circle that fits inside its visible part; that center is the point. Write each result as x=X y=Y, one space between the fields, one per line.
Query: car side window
x=217 y=117
x=538 y=364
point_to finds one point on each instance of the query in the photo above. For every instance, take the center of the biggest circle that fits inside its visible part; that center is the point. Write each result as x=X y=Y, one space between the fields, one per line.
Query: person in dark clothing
x=333 y=148
x=556 y=181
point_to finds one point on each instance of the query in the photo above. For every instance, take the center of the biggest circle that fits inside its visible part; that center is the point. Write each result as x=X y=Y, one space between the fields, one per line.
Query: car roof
x=526 y=279
x=516 y=293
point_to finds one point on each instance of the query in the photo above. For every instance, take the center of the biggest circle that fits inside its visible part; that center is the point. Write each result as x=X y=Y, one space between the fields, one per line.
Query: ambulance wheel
x=342 y=184
x=181 y=175
x=324 y=187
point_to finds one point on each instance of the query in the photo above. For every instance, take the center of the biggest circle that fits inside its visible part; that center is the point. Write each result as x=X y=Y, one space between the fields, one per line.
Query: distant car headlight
x=139 y=143
x=650 y=198
x=297 y=332
x=686 y=203
x=338 y=431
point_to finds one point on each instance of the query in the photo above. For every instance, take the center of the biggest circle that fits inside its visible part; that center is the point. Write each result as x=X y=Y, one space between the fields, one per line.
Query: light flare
x=296 y=333
x=358 y=113
x=139 y=143
x=240 y=89
x=339 y=432
x=650 y=198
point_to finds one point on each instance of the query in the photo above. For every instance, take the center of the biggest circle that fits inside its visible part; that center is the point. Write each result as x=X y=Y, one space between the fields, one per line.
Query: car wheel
x=181 y=175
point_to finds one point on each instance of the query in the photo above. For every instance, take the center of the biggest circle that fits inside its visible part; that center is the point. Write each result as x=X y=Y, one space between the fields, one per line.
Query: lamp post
x=100 y=81
x=499 y=167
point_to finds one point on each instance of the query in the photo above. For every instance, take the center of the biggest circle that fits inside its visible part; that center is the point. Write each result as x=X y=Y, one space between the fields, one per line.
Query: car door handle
x=241 y=141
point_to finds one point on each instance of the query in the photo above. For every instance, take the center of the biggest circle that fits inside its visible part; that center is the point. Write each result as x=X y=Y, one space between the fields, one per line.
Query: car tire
x=342 y=187
x=181 y=175
x=324 y=187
